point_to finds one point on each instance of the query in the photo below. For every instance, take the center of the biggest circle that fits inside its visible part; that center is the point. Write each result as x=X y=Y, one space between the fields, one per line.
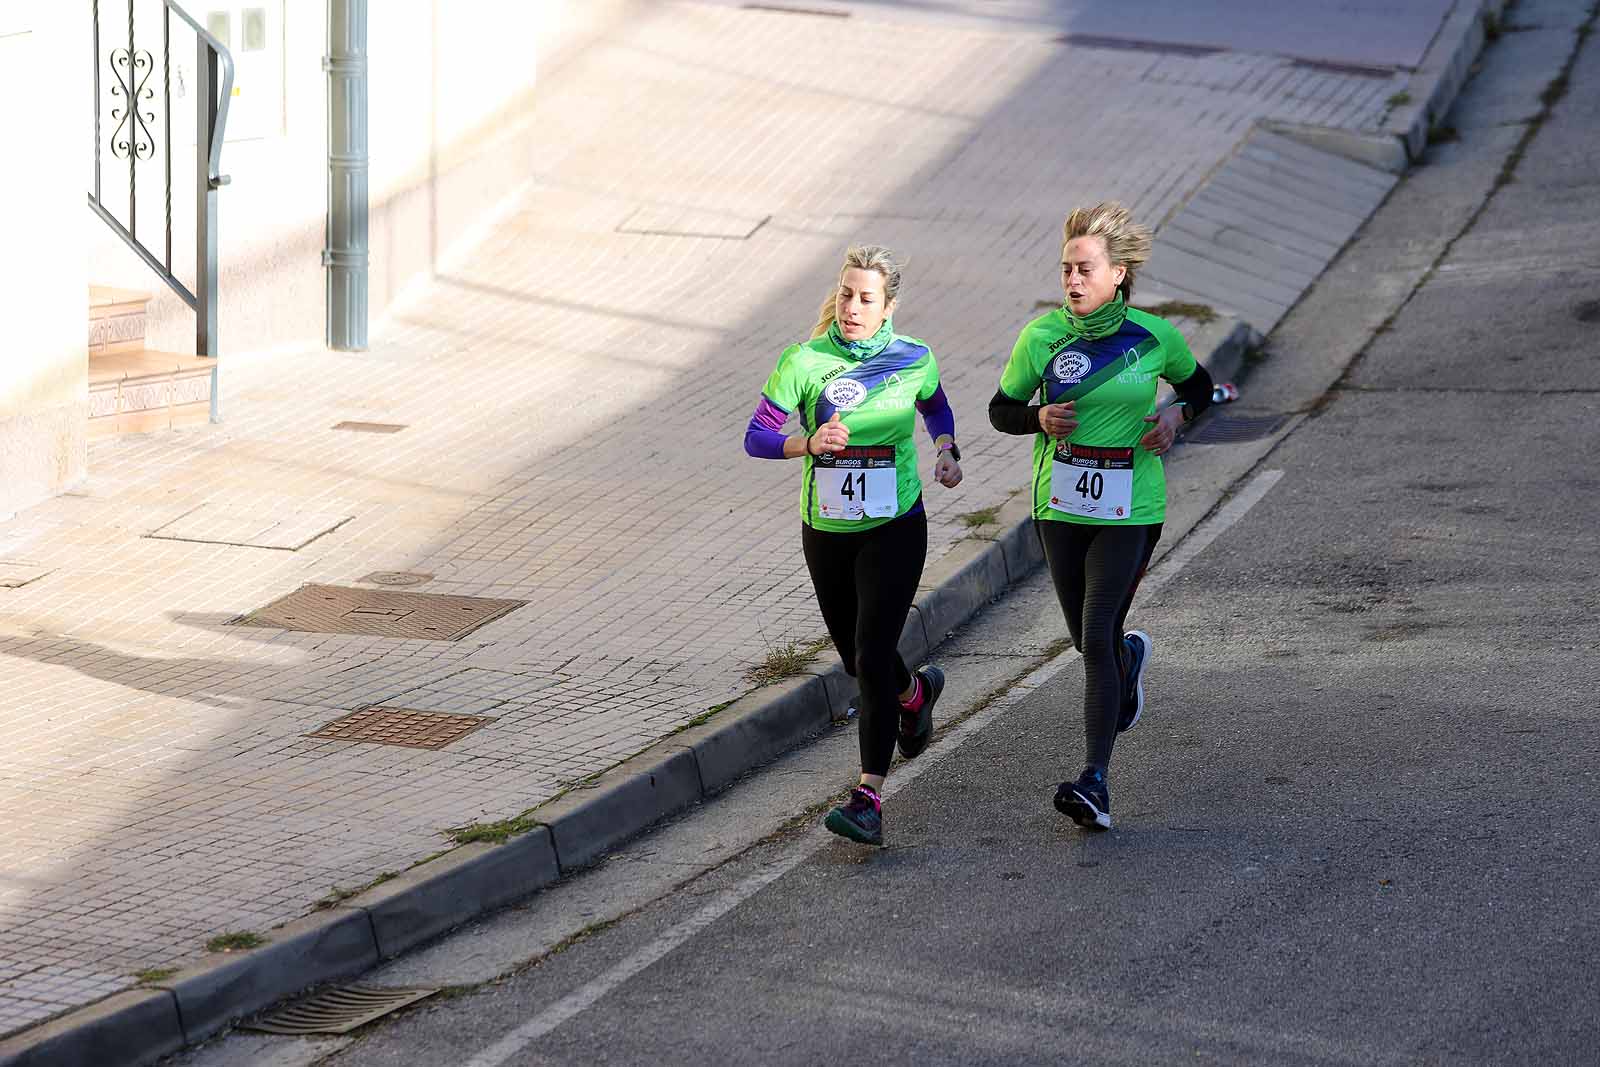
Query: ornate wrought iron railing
x=133 y=141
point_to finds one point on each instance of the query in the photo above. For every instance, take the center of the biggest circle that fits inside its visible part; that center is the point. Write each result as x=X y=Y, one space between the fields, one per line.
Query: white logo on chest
x=1070 y=366
x=845 y=393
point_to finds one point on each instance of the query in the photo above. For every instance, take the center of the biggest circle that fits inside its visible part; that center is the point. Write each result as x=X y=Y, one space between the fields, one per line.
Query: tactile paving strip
x=339 y=609
x=405 y=727
x=337 y=1011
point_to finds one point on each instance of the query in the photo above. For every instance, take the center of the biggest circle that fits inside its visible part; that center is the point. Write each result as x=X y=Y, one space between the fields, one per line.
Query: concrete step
x=116 y=319
x=142 y=391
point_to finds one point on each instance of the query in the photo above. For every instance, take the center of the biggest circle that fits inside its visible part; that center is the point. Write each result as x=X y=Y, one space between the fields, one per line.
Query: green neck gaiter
x=863 y=350
x=1103 y=321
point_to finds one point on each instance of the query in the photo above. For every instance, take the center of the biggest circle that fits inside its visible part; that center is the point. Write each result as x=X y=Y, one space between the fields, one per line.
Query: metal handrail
x=214 y=176
x=132 y=69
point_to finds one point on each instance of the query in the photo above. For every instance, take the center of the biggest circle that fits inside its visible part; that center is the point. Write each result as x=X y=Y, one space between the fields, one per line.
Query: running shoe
x=1087 y=801
x=1139 y=648
x=916 y=727
x=860 y=818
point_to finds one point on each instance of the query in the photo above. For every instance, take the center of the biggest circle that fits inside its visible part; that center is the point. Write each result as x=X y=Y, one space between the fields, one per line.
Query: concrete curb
x=134 y=1026
x=1433 y=88
x=573 y=830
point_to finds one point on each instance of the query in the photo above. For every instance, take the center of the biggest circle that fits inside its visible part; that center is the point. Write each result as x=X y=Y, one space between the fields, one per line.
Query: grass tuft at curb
x=785 y=661
x=235 y=941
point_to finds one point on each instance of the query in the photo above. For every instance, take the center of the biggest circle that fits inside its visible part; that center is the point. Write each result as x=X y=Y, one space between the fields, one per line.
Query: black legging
x=865 y=583
x=1096 y=570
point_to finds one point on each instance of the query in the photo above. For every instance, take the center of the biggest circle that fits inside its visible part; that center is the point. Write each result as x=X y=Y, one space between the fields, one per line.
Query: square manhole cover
x=16 y=573
x=401 y=726
x=691 y=222
x=339 y=609
x=215 y=524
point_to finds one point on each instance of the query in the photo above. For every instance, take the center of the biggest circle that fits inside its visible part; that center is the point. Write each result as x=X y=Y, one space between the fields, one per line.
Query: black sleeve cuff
x=1009 y=415
x=1195 y=392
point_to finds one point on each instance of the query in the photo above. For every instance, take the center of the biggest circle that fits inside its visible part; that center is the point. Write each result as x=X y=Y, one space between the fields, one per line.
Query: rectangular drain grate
x=337 y=1011
x=405 y=727
x=1232 y=429
x=339 y=609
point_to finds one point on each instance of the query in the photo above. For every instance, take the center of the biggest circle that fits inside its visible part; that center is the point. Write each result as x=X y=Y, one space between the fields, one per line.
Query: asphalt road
x=1358 y=823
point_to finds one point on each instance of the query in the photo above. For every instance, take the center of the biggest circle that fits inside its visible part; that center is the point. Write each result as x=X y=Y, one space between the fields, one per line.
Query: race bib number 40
x=1096 y=483
x=856 y=483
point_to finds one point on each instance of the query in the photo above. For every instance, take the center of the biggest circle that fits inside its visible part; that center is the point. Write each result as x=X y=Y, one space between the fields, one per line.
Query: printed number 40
x=851 y=482
x=1089 y=485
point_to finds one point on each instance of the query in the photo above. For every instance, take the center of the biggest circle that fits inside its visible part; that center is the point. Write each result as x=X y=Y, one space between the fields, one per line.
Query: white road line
x=584 y=997
x=587 y=995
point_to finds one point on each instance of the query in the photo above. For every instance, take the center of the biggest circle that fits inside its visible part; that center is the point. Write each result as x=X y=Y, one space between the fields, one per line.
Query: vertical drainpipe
x=346 y=253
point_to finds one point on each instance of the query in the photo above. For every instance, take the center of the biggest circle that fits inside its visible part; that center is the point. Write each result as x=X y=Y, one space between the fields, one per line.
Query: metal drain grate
x=370 y=427
x=405 y=727
x=337 y=1011
x=1129 y=44
x=792 y=9
x=1231 y=429
x=339 y=609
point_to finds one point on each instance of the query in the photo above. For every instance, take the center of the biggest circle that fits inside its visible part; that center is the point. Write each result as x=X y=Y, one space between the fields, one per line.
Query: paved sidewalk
x=573 y=395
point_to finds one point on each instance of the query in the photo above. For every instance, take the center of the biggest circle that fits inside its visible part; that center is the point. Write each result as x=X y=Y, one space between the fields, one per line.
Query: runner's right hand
x=831 y=436
x=1058 y=420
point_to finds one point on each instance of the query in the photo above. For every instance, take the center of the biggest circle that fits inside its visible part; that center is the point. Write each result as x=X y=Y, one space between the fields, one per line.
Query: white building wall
x=43 y=281
x=447 y=81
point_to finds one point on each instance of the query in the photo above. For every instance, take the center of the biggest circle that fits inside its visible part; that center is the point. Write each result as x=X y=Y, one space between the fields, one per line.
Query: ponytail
x=825 y=315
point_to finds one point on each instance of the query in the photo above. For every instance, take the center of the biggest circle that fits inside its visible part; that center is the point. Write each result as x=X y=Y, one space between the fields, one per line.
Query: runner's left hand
x=946 y=471
x=1159 y=439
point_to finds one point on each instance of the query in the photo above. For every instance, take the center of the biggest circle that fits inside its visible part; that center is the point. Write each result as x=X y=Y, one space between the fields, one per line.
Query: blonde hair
x=862 y=257
x=1127 y=243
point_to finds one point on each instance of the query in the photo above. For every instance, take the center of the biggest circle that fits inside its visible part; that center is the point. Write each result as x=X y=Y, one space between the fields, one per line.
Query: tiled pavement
x=574 y=394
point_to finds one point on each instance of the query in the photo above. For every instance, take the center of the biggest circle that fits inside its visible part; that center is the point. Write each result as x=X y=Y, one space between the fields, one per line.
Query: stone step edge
x=109 y=300
x=572 y=831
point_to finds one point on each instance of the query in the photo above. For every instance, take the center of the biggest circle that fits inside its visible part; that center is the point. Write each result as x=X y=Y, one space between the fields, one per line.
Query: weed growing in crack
x=235 y=941
x=785 y=661
x=1184 y=309
x=493 y=832
x=152 y=975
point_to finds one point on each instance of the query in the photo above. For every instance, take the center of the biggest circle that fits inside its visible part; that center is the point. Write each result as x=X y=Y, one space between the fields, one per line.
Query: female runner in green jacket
x=855 y=388
x=1099 y=490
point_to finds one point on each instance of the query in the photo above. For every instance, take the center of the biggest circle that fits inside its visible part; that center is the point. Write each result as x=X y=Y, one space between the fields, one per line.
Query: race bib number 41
x=1096 y=483
x=856 y=483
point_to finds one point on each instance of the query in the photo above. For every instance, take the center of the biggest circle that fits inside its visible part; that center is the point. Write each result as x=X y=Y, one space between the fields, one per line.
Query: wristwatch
x=954 y=450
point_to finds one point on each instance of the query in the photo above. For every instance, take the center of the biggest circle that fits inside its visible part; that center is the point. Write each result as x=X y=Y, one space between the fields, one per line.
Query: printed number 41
x=854 y=485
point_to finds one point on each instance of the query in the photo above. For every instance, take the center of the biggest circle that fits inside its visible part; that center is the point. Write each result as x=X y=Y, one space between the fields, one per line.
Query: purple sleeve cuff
x=764 y=437
x=937 y=415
